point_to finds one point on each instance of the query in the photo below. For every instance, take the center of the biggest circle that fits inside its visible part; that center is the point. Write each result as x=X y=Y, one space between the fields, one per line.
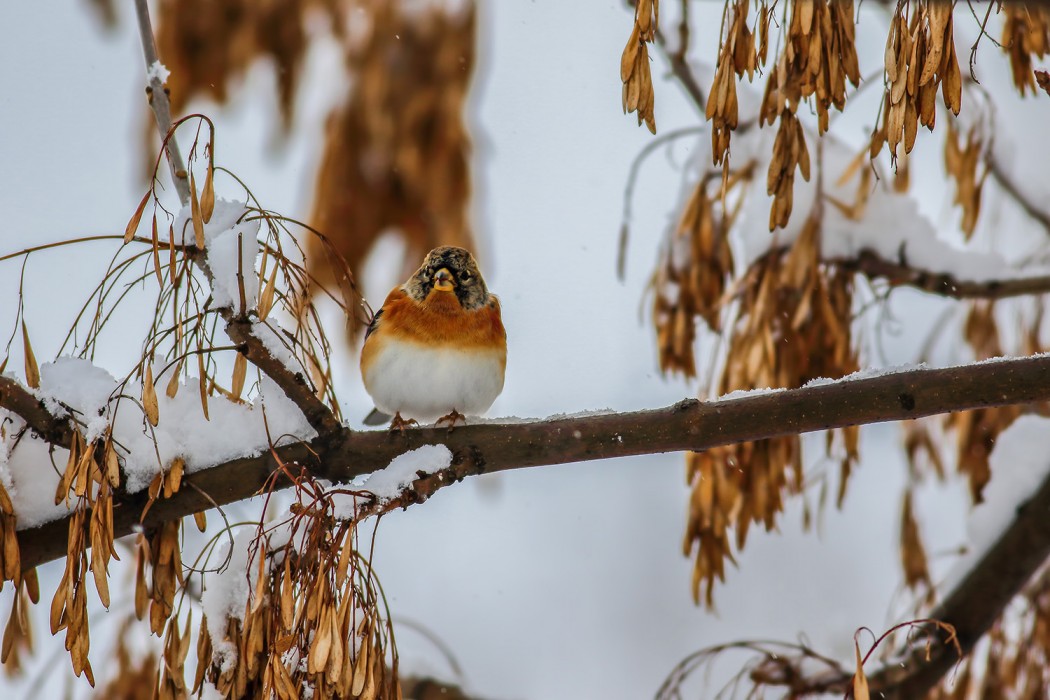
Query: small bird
x=437 y=350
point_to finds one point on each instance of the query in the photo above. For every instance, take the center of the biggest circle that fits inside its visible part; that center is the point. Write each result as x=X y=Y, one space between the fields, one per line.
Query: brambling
x=437 y=349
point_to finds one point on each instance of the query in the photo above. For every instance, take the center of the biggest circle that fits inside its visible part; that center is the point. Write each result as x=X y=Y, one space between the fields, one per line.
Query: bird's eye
x=465 y=276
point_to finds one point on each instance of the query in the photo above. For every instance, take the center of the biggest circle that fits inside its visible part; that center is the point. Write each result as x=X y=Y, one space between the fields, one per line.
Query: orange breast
x=440 y=319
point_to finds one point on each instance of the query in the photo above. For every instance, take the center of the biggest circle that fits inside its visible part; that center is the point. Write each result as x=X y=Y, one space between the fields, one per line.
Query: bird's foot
x=399 y=423
x=451 y=420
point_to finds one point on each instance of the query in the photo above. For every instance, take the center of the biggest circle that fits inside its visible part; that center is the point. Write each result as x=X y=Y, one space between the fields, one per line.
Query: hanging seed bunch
x=793 y=326
x=10 y=558
x=920 y=61
x=92 y=473
x=311 y=627
x=158 y=574
x=1026 y=35
x=694 y=269
x=789 y=153
x=209 y=45
x=635 y=71
x=18 y=632
x=914 y=562
x=396 y=153
x=736 y=55
x=819 y=55
x=964 y=161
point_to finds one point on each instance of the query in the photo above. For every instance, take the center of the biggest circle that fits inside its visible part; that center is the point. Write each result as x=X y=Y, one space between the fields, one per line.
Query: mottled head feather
x=469 y=286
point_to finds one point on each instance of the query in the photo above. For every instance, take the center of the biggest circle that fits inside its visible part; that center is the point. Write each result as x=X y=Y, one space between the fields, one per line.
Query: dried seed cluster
x=819 y=55
x=92 y=472
x=635 y=72
x=1026 y=34
x=691 y=277
x=920 y=58
x=964 y=161
x=736 y=55
x=794 y=325
x=396 y=153
x=208 y=45
x=312 y=626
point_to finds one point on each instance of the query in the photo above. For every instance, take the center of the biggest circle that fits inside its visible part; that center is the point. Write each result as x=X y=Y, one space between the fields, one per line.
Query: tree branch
x=239 y=328
x=19 y=400
x=972 y=607
x=293 y=384
x=342 y=454
x=898 y=274
x=158 y=101
x=680 y=66
x=1010 y=187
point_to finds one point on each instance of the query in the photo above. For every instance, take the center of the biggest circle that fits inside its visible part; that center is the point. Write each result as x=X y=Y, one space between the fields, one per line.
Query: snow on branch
x=343 y=454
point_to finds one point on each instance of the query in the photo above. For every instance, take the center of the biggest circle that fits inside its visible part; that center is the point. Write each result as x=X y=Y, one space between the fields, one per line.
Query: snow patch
x=387 y=484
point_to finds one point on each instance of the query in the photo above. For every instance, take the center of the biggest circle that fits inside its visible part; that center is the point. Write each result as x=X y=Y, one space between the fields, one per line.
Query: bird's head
x=449 y=270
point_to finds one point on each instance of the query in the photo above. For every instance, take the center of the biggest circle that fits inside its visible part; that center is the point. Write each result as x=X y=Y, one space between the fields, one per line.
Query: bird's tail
x=377 y=417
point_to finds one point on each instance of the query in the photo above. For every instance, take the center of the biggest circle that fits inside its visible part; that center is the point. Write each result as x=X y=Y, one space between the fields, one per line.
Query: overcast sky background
x=559 y=582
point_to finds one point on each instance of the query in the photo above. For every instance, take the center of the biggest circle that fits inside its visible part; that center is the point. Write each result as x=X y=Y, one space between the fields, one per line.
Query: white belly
x=426 y=383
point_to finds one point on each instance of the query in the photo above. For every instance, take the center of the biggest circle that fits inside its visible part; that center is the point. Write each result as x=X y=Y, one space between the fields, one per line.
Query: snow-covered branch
x=342 y=454
x=16 y=398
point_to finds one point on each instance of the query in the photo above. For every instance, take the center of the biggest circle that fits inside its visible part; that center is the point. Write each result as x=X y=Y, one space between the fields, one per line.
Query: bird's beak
x=443 y=280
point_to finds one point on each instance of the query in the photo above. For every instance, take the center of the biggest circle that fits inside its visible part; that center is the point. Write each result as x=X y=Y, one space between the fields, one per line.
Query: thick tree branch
x=971 y=607
x=16 y=398
x=343 y=454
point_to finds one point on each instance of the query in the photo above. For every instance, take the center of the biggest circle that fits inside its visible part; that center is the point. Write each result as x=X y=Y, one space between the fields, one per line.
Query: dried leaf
x=133 y=224
x=149 y=397
x=208 y=195
x=860 y=681
x=195 y=214
x=32 y=370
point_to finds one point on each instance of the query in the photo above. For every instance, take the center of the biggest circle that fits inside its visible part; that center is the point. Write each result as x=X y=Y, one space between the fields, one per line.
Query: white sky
x=559 y=582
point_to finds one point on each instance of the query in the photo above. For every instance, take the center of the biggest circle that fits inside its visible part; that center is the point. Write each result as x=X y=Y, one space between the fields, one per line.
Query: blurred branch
x=680 y=65
x=16 y=398
x=342 y=454
x=898 y=274
x=1041 y=216
x=971 y=608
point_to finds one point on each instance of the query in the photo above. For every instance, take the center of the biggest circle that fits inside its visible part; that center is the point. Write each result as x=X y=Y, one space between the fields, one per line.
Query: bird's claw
x=451 y=420
x=399 y=423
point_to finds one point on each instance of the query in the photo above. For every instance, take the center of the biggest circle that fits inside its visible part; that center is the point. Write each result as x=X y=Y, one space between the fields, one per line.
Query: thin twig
x=158 y=101
x=1041 y=216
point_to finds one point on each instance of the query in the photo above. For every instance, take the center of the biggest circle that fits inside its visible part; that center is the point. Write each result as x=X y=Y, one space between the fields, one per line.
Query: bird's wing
x=373 y=323
x=395 y=295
